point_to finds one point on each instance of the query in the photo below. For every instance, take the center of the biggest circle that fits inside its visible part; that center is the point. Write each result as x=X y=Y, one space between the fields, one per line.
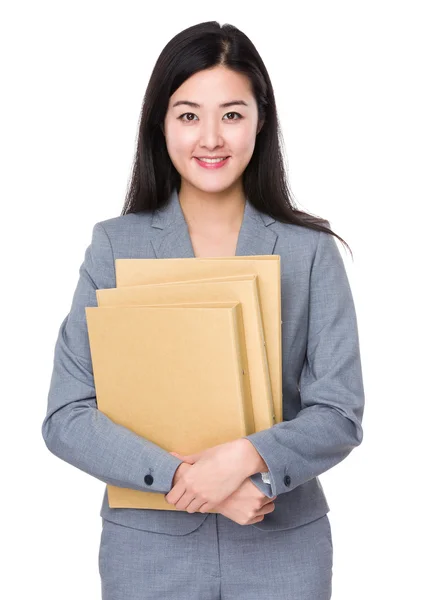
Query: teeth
x=212 y=160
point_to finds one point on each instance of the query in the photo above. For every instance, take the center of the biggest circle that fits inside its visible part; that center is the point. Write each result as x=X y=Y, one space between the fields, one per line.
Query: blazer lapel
x=173 y=239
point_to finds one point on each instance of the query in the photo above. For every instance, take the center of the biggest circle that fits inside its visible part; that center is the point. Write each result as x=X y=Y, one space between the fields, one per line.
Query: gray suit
x=322 y=379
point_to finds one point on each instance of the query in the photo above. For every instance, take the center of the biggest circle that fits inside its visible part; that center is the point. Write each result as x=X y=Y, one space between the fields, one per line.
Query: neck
x=207 y=212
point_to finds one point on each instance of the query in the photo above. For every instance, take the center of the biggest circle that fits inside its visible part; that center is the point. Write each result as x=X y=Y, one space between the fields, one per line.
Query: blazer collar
x=173 y=239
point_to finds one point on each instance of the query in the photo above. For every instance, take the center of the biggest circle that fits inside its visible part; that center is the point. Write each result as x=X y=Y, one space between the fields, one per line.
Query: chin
x=213 y=187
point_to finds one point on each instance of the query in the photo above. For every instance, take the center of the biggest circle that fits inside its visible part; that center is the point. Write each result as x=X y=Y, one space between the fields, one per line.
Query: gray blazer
x=323 y=394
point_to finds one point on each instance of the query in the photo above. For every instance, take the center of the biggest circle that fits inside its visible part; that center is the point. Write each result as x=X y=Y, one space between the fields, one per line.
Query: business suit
x=323 y=392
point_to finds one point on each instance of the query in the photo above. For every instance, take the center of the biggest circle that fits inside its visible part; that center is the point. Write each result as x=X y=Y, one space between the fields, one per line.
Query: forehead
x=214 y=87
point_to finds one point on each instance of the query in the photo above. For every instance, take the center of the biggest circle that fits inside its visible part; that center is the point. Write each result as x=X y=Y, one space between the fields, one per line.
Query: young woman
x=209 y=181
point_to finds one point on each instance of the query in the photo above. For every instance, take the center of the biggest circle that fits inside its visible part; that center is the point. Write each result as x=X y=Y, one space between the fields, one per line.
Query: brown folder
x=242 y=289
x=137 y=271
x=176 y=375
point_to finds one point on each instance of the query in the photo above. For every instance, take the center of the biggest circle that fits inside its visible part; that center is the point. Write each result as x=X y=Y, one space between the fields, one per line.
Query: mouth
x=212 y=163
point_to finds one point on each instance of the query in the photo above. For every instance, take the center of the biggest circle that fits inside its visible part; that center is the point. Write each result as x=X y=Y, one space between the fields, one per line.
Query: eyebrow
x=195 y=105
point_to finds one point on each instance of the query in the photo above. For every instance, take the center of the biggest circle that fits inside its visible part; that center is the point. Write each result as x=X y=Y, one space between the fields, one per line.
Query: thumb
x=190 y=459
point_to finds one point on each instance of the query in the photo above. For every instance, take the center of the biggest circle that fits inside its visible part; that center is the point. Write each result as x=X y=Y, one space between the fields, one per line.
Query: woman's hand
x=215 y=473
x=245 y=506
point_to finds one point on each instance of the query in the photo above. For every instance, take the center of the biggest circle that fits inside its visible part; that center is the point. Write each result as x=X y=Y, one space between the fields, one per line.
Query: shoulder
x=114 y=238
x=296 y=243
x=125 y=231
x=125 y=236
x=123 y=223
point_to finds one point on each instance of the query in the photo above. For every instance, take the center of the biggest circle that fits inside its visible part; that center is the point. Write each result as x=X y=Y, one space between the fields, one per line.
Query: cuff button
x=148 y=479
x=287 y=480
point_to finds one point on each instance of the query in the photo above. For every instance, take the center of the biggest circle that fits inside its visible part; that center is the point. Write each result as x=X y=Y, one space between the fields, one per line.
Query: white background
x=350 y=84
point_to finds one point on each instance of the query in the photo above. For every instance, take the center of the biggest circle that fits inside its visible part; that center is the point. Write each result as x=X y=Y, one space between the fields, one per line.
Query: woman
x=209 y=180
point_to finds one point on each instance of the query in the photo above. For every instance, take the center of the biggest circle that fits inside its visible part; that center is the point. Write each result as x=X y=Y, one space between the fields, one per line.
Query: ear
x=259 y=126
x=162 y=129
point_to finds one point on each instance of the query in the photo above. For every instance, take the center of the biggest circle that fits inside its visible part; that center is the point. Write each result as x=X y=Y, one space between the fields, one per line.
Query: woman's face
x=197 y=125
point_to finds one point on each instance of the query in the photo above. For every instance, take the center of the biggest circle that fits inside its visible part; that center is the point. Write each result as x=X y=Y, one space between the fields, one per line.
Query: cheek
x=241 y=138
x=179 y=144
x=243 y=144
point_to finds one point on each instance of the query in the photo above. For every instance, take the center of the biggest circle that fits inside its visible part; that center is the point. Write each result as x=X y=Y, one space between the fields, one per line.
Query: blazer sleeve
x=329 y=424
x=73 y=428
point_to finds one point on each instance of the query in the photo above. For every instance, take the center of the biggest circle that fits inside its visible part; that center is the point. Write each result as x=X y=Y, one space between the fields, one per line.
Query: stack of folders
x=186 y=352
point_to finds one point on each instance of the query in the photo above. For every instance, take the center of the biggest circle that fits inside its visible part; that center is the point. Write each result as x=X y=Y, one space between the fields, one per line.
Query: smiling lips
x=212 y=163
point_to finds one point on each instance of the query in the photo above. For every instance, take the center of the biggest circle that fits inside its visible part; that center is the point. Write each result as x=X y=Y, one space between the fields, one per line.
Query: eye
x=234 y=113
x=185 y=114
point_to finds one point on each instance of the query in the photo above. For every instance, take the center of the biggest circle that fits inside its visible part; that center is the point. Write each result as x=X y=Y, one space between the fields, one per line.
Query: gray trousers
x=220 y=560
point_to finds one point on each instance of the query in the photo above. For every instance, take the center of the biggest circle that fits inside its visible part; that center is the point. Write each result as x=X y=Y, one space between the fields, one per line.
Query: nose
x=210 y=134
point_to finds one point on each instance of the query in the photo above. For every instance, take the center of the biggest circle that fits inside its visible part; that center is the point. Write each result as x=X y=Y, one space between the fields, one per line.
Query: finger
x=176 y=492
x=256 y=520
x=268 y=508
x=187 y=459
x=190 y=457
x=194 y=506
x=183 y=502
x=183 y=456
x=268 y=500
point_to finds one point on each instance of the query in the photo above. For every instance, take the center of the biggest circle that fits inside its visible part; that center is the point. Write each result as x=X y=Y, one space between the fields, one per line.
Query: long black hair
x=265 y=182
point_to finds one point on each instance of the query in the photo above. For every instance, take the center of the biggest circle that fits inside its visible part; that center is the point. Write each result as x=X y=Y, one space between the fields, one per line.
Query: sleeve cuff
x=266 y=488
x=280 y=480
x=164 y=472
